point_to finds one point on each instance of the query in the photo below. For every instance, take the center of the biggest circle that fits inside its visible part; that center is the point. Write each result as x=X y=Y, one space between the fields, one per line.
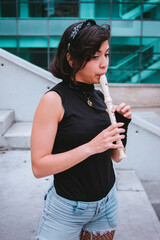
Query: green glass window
x=63 y=8
x=24 y=53
x=37 y=8
x=8 y=9
x=8 y=42
x=128 y=1
x=150 y=61
x=125 y=44
x=150 y=76
x=34 y=50
x=135 y=35
x=54 y=41
x=11 y=50
x=124 y=76
x=126 y=11
x=33 y=42
x=87 y=9
x=52 y=53
x=125 y=61
x=151 y=11
x=48 y=8
x=151 y=44
x=125 y=53
x=37 y=56
x=102 y=10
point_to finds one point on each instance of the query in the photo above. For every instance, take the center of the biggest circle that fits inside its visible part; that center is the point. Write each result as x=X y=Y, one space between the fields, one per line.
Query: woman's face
x=96 y=67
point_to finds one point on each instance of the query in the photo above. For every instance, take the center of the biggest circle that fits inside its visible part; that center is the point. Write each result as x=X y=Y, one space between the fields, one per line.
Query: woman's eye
x=95 y=57
x=107 y=54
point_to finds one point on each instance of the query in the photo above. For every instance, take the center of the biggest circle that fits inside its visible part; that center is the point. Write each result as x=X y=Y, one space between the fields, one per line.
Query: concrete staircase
x=14 y=134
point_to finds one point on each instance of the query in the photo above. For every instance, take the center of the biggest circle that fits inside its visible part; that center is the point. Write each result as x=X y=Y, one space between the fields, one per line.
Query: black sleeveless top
x=92 y=179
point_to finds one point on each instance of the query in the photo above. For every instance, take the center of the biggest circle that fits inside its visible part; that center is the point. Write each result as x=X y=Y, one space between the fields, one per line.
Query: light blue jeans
x=64 y=219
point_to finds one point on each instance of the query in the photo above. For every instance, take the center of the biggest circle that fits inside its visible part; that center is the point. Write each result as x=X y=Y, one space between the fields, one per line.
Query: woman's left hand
x=123 y=109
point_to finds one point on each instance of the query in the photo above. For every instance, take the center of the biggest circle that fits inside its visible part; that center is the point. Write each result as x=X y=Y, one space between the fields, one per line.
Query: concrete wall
x=22 y=85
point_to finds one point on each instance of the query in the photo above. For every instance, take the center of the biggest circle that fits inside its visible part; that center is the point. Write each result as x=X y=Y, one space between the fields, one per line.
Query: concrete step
x=6 y=120
x=137 y=218
x=152 y=189
x=18 y=135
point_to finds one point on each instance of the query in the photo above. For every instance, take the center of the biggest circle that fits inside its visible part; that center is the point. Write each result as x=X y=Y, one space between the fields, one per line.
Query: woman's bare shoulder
x=51 y=105
x=51 y=97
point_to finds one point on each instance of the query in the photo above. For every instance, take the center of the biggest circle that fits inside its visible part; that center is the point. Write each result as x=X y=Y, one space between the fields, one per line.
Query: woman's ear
x=69 y=60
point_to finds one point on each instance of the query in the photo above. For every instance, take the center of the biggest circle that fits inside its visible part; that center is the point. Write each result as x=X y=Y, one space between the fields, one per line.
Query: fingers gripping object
x=108 y=102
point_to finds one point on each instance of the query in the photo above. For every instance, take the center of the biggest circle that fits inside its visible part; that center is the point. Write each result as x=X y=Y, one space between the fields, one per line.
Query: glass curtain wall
x=32 y=30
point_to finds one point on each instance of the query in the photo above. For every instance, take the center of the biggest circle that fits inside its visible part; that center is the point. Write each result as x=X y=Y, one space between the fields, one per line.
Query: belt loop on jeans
x=99 y=205
x=80 y=208
x=82 y=205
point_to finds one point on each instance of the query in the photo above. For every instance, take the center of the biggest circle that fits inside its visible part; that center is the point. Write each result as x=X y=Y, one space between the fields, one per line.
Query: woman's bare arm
x=47 y=116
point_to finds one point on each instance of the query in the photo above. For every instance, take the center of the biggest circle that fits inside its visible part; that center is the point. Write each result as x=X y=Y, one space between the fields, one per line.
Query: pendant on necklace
x=89 y=102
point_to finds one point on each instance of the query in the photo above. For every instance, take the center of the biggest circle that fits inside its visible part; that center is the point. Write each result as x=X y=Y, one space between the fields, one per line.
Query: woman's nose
x=104 y=62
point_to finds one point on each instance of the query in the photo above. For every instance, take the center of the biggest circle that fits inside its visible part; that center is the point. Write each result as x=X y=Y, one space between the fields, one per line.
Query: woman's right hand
x=105 y=139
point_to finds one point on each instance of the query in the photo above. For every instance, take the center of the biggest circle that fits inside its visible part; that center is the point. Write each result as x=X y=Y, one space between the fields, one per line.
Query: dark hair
x=85 y=43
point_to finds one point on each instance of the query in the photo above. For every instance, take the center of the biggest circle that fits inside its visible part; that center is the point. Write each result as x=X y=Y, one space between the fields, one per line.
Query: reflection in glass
x=151 y=43
x=127 y=11
x=150 y=76
x=125 y=61
x=150 y=61
x=124 y=76
x=151 y=11
x=125 y=44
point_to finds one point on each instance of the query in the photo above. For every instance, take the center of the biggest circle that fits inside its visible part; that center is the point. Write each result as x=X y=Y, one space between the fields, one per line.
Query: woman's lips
x=99 y=75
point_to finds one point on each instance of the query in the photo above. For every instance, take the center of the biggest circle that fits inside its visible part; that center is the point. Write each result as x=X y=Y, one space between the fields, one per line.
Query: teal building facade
x=31 y=29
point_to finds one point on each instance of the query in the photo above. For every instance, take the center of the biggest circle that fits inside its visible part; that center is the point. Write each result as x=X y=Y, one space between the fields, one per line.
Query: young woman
x=73 y=139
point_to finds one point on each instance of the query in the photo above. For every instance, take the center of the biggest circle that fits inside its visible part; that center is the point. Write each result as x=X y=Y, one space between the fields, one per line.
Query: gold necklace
x=87 y=95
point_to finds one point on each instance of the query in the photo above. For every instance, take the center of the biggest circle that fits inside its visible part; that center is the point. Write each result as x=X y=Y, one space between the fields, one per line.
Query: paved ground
x=137 y=96
x=22 y=202
x=140 y=97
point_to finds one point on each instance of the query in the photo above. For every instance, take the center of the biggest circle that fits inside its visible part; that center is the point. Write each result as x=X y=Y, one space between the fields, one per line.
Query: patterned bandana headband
x=77 y=28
